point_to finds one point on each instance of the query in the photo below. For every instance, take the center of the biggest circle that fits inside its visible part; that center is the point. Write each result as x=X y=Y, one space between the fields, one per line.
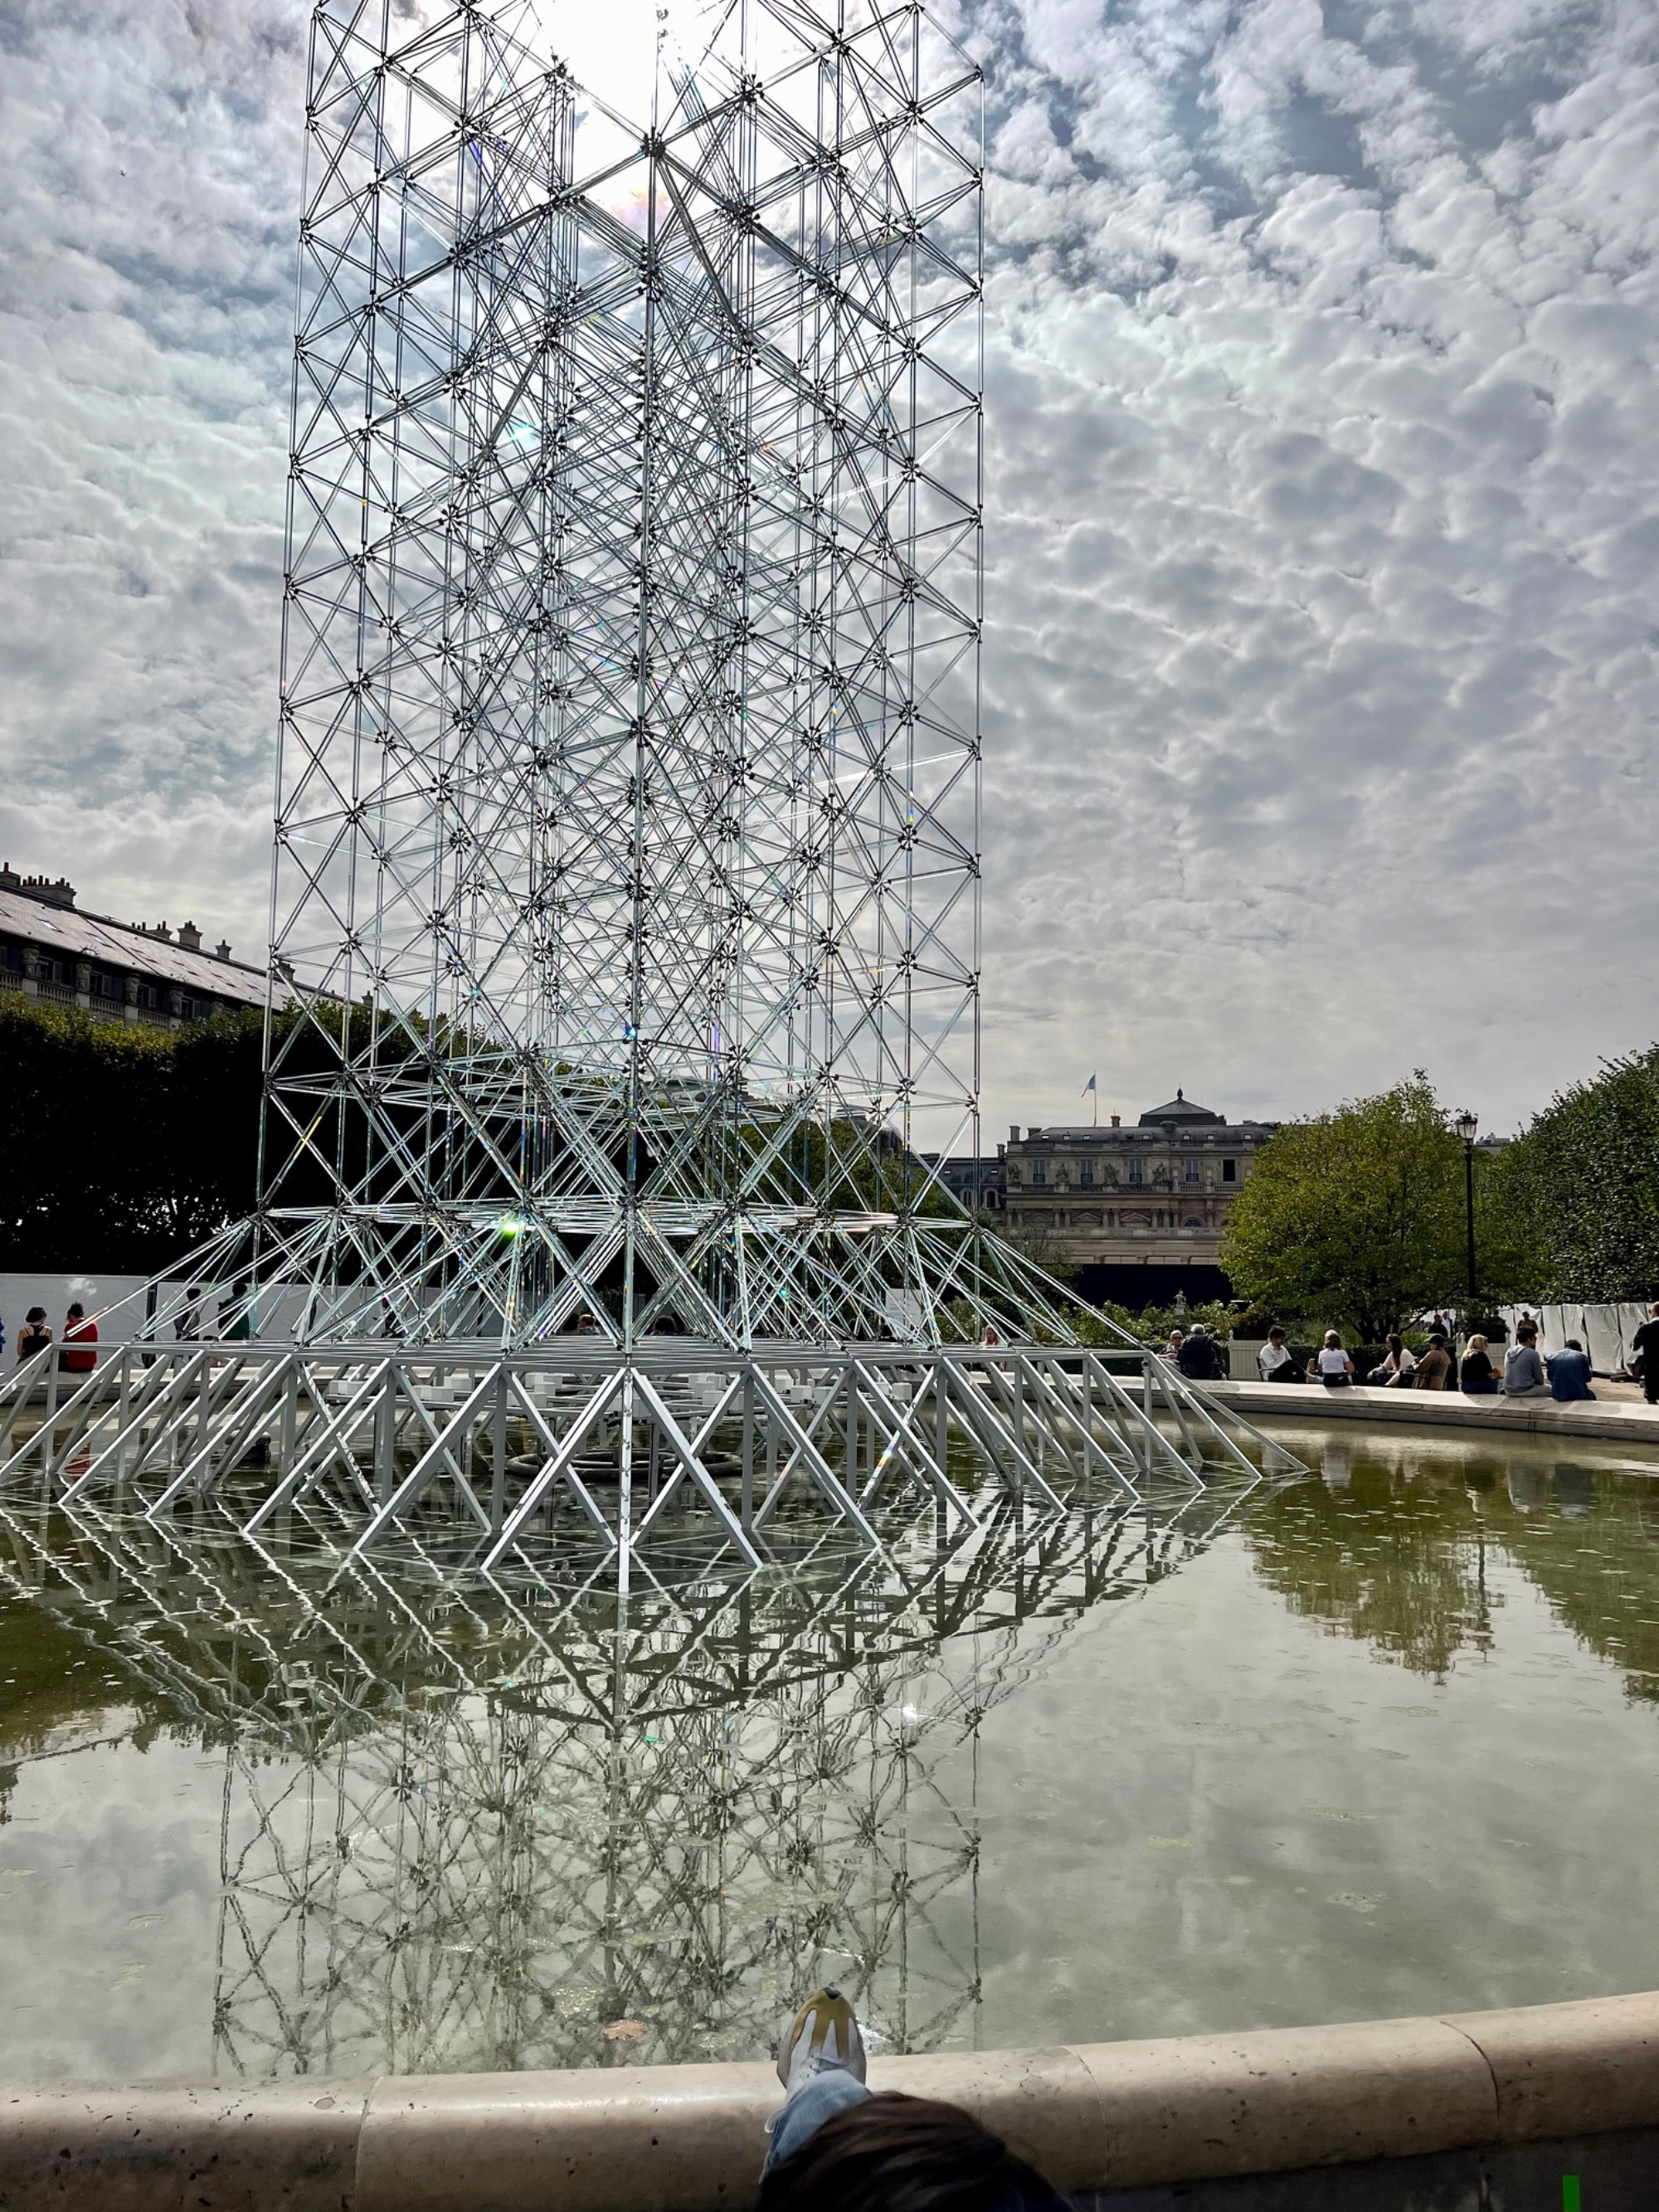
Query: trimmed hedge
x=122 y=1145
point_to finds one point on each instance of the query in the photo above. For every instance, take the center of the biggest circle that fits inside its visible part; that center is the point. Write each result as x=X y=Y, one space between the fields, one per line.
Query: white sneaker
x=823 y=2037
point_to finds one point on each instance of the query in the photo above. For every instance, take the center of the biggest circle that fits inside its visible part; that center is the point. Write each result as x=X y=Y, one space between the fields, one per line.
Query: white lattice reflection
x=471 y=1824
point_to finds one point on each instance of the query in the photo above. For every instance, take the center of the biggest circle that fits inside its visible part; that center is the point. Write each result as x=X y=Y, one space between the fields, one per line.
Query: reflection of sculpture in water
x=465 y=1828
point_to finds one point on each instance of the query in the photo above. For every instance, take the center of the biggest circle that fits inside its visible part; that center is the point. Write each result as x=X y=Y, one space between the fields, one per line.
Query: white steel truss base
x=567 y=1455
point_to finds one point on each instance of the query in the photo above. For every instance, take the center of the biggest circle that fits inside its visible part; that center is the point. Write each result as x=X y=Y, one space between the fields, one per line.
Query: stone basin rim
x=688 y=2138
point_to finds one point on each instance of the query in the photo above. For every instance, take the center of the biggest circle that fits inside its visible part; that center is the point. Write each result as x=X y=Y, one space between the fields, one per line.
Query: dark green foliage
x=1356 y=1220
x=1152 y=1324
x=122 y=1147
x=1581 y=1189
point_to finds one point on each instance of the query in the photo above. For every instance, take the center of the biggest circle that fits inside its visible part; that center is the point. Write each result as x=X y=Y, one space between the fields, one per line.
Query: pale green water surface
x=1384 y=1740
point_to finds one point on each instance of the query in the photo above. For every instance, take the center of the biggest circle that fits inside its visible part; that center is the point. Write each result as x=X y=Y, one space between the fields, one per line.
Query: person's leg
x=806 y=2109
x=821 y=2066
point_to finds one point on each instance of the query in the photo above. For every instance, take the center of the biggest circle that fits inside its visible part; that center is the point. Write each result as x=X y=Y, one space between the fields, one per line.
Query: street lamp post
x=1465 y=1126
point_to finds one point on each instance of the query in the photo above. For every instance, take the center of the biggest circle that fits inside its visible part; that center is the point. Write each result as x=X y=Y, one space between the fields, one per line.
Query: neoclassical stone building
x=1153 y=1195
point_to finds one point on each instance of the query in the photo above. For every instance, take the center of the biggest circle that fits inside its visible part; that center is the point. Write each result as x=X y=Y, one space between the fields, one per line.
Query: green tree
x=122 y=1145
x=1150 y=1324
x=1356 y=1220
x=1579 y=1192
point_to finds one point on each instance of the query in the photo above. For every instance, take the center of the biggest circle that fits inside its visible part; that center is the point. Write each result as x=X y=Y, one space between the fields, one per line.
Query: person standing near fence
x=1646 y=1342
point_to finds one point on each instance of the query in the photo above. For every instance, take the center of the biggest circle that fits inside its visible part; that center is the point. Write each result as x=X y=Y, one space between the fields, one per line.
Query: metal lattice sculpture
x=626 y=855
x=625 y=932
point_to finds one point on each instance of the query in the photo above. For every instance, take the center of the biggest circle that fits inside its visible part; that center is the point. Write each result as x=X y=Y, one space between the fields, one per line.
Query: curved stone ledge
x=1615 y=1419
x=689 y=2138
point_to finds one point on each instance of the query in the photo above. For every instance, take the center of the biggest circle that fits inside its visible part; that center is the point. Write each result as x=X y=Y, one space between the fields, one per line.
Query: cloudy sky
x=1323 y=522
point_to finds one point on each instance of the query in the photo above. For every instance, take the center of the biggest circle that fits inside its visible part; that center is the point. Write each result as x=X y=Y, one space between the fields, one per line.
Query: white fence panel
x=1605 y=1330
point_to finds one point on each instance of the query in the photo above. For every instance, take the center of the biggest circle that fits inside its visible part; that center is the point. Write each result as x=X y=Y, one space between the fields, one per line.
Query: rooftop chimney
x=1117 y=1120
x=223 y=949
x=1013 y=1133
x=61 y=893
x=190 y=937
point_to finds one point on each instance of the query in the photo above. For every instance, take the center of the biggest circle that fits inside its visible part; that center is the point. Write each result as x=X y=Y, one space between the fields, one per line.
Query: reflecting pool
x=1378 y=1740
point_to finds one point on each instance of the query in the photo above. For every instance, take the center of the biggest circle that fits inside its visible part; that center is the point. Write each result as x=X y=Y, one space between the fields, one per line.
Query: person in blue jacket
x=1570 y=1372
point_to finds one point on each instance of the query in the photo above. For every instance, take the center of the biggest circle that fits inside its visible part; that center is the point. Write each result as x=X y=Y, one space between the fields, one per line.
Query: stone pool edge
x=1098 y=2117
x=1604 y=1418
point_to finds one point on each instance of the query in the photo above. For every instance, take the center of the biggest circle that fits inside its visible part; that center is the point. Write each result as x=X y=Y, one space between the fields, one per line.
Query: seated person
x=1396 y=1367
x=837 y=2148
x=1274 y=1362
x=1434 y=1368
x=1569 y=1373
x=1336 y=1368
x=1523 y=1370
x=1478 y=1375
x=1197 y=1358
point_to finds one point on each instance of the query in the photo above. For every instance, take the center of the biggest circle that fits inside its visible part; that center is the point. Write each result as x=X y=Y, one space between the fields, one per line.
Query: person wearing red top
x=78 y=1330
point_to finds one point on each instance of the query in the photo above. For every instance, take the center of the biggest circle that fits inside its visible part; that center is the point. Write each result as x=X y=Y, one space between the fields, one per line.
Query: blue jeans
x=806 y=2111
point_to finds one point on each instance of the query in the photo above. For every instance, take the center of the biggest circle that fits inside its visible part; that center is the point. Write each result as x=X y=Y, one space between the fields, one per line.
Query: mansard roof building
x=125 y=971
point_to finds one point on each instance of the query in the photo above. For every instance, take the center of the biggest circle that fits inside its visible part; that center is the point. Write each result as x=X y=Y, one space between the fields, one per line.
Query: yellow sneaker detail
x=823 y=2035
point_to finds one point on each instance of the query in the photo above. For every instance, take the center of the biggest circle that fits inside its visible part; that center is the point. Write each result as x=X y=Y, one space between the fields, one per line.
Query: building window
x=1192 y=1222
x=149 y=996
x=1137 y=1171
x=1039 y=1171
x=1230 y=1171
x=1192 y=1171
x=1085 y=1176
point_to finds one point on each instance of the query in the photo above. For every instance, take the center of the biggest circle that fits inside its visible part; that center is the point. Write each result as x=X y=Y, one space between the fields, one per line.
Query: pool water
x=1381 y=1739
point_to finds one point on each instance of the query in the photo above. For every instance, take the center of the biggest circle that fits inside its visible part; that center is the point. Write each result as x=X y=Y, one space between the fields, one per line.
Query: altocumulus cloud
x=1323 y=511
